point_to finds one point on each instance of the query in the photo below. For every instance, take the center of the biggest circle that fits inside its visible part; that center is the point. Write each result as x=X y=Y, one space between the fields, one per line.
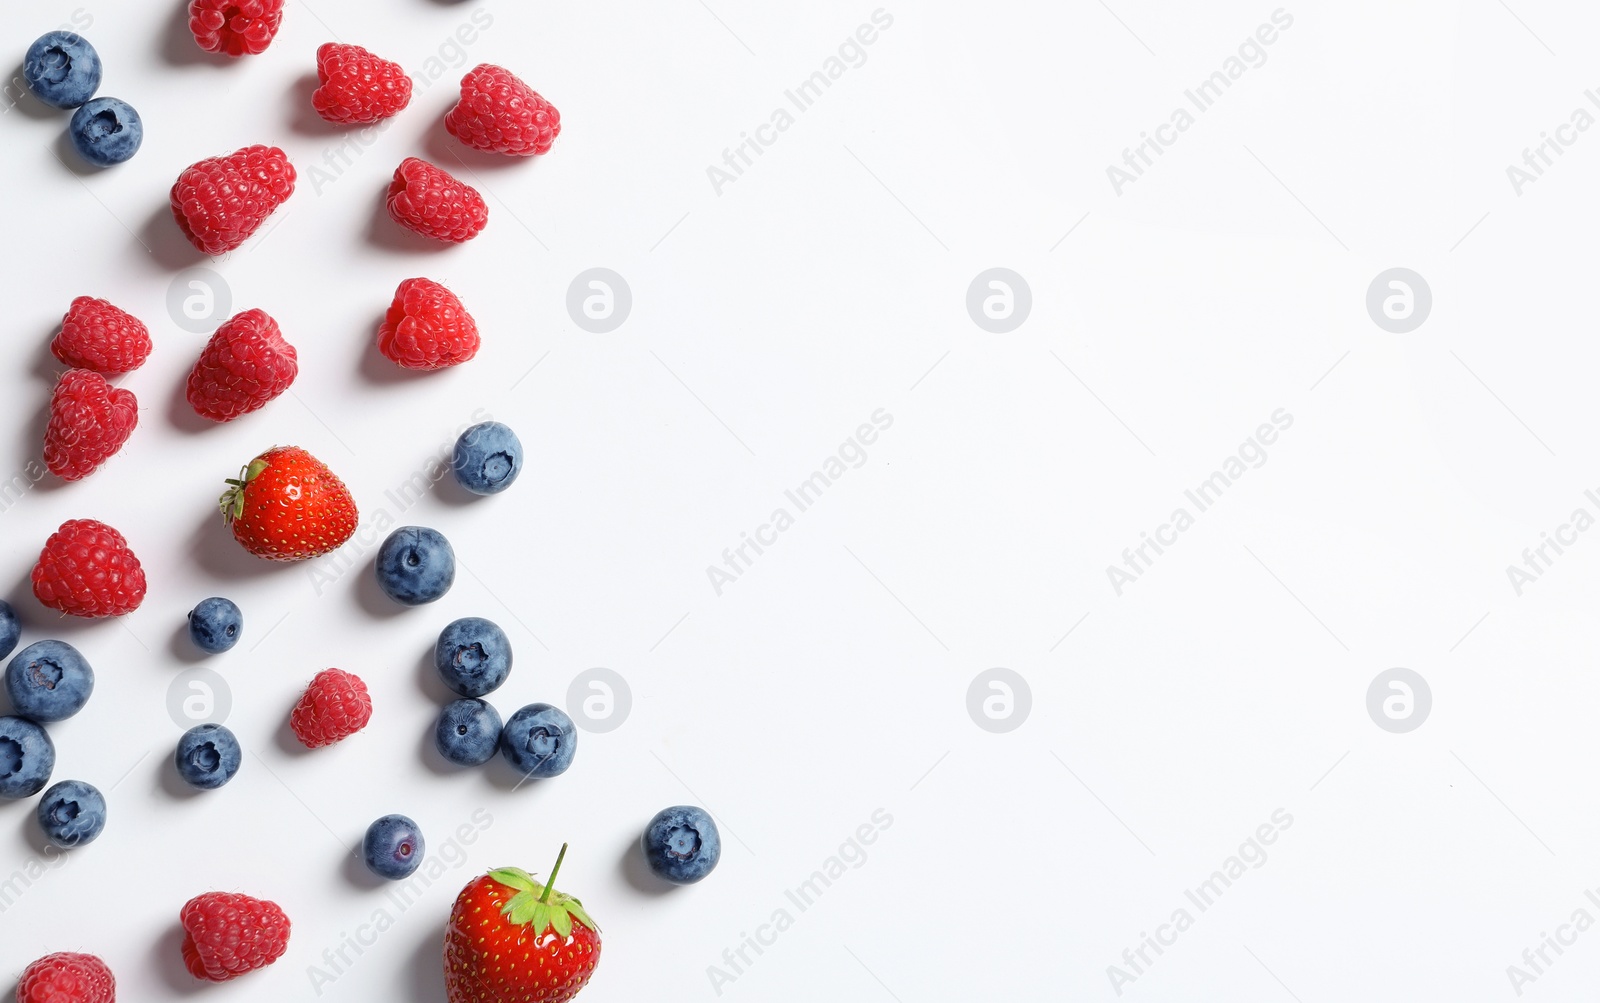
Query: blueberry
x=539 y=741
x=487 y=459
x=215 y=624
x=26 y=758
x=106 y=131
x=468 y=732
x=208 y=756
x=10 y=628
x=393 y=847
x=49 y=681
x=416 y=565
x=473 y=656
x=62 y=69
x=681 y=844
x=72 y=813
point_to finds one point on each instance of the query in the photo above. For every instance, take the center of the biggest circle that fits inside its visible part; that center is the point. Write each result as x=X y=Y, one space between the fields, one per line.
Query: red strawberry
x=511 y=939
x=358 y=87
x=244 y=365
x=335 y=706
x=67 y=977
x=226 y=935
x=427 y=200
x=86 y=569
x=427 y=327
x=235 y=27
x=96 y=335
x=286 y=505
x=89 y=421
x=220 y=201
x=498 y=113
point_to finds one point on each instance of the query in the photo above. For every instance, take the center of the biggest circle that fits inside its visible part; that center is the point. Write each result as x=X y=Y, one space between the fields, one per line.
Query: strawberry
x=286 y=505
x=67 y=977
x=511 y=940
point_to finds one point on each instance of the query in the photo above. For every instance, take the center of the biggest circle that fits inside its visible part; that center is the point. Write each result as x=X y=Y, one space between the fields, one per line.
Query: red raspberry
x=244 y=365
x=498 y=113
x=89 y=421
x=96 y=335
x=86 y=569
x=358 y=87
x=67 y=977
x=334 y=707
x=220 y=201
x=427 y=327
x=427 y=200
x=235 y=27
x=226 y=935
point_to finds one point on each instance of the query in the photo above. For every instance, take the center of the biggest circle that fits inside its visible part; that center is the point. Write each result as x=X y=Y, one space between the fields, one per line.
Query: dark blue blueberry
x=681 y=844
x=27 y=756
x=72 y=813
x=208 y=756
x=10 y=628
x=62 y=69
x=488 y=457
x=416 y=565
x=393 y=847
x=468 y=732
x=49 y=681
x=215 y=624
x=539 y=741
x=106 y=131
x=473 y=656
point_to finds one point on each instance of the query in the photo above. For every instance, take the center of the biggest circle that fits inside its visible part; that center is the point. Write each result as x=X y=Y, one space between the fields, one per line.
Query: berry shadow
x=636 y=872
x=31 y=106
x=386 y=234
x=359 y=875
x=178 y=47
x=181 y=415
x=380 y=371
x=449 y=490
x=169 y=961
x=426 y=969
x=182 y=647
x=40 y=621
x=444 y=150
x=68 y=154
x=221 y=556
x=167 y=244
x=372 y=599
x=172 y=784
x=303 y=117
x=46 y=366
x=286 y=740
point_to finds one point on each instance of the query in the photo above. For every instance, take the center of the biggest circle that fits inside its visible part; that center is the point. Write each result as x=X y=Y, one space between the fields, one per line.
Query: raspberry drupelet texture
x=220 y=201
x=335 y=706
x=246 y=363
x=67 y=977
x=498 y=113
x=100 y=337
x=89 y=421
x=235 y=27
x=226 y=935
x=427 y=327
x=357 y=87
x=428 y=200
x=86 y=569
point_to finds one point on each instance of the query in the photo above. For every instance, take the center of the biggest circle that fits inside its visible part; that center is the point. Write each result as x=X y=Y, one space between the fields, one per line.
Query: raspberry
x=226 y=935
x=498 y=113
x=334 y=707
x=220 y=201
x=89 y=421
x=427 y=327
x=67 y=977
x=358 y=87
x=86 y=569
x=426 y=199
x=235 y=27
x=244 y=365
x=96 y=335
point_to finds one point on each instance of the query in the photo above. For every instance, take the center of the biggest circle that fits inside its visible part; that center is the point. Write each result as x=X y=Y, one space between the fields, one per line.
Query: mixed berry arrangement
x=509 y=936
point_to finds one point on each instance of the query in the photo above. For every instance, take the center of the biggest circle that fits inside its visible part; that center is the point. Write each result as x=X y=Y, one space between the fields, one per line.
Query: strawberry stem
x=549 y=886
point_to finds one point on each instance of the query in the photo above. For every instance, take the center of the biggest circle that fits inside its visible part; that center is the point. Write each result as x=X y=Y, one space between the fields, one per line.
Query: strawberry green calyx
x=232 y=501
x=541 y=906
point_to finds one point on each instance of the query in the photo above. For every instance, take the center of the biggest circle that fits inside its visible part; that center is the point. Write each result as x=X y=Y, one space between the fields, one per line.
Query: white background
x=830 y=680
